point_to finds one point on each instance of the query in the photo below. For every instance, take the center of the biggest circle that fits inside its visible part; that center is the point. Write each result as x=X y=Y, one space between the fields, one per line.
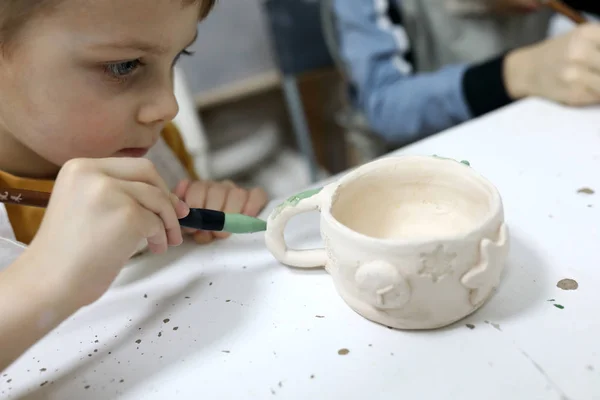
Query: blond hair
x=14 y=14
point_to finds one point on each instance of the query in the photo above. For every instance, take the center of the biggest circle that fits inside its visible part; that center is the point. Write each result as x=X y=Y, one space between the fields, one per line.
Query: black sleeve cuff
x=590 y=6
x=483 y=87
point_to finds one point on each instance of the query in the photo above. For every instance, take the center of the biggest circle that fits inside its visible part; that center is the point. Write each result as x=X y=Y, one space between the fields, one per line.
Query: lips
x=138 y=152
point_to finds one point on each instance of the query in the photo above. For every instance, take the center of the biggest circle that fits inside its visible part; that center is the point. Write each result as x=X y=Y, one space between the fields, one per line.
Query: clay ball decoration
x=382 y=285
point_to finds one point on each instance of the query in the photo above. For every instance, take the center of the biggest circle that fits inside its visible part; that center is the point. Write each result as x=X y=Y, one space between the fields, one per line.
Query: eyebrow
x=144 y=46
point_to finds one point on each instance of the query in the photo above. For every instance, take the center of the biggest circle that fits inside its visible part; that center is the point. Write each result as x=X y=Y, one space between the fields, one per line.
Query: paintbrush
x=198 y=218
x=565 y=10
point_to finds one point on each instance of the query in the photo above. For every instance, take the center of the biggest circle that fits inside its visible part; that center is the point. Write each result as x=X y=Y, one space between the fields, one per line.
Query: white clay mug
x=411 y=242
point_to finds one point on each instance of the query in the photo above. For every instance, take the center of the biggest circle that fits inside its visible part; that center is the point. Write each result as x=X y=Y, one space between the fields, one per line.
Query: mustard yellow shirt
x=25 y=220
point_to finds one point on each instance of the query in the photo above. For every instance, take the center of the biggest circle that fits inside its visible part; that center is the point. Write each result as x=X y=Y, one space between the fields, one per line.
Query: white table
x=249 y=328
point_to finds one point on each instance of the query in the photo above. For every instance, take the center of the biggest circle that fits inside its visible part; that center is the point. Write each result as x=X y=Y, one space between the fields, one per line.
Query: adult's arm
x=399 y=105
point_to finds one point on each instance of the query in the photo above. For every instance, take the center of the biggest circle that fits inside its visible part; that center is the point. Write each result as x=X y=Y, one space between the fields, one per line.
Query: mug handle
x=303 y=202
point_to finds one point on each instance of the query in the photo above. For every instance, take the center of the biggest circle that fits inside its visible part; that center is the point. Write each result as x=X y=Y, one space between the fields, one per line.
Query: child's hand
x=221 y=196
x=99 y=213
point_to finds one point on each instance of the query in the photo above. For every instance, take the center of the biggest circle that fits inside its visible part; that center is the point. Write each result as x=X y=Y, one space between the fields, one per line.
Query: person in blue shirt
x=417 y=67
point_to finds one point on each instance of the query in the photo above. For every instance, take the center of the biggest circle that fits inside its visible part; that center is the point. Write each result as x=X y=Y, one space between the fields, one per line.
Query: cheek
x=83 y=128
x=95 y=131
x=71 y=121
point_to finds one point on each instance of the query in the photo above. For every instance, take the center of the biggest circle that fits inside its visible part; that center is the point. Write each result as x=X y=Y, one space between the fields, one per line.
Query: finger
x=588 y=32
x=582 y=87
x=234 y=203
x=140 y=170
x=585 y=53
x=236 y=200
x=215 y=200
x=181 y=208
x=133 y=169
x=592 y=81
x=257 y=200
x=153 y=199
x=182 y=188
x=196 y=194
x=153 y=231
x=230 y=184
x=203 y=237
x=216 y=195
x=592 y=60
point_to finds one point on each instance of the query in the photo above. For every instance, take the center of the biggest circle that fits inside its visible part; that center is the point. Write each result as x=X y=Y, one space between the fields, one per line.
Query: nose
x=160 y=107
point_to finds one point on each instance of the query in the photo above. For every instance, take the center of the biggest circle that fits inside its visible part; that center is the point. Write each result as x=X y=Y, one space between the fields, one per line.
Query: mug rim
x=495 y=209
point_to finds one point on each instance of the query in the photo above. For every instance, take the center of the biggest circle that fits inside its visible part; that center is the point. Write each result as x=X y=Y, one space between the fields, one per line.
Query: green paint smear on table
x=559 y=306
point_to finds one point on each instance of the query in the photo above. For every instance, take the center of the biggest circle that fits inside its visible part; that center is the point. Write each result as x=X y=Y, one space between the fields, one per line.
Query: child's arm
x=30 y=306
x=99 y=213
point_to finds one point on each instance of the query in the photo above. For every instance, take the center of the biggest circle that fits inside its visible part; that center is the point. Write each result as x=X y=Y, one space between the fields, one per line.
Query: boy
x=86 y=97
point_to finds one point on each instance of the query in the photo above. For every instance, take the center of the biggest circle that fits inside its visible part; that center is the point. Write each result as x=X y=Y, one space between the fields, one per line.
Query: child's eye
x=123 y=69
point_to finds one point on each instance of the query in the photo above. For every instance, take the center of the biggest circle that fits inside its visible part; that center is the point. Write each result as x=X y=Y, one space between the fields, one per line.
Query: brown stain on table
x=343 y=352
x=567 y=284
x=586 y=190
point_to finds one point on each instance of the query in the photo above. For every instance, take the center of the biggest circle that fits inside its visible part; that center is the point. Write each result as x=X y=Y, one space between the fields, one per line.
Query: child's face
x=94 y=79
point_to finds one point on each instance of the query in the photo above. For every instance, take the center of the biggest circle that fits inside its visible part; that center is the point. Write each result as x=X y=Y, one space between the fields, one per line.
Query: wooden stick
x=24 y=197
x=565 y=10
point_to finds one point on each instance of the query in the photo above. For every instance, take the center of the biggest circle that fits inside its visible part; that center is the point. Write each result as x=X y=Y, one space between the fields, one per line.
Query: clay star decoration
x=436 y=264
x=485 y=276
